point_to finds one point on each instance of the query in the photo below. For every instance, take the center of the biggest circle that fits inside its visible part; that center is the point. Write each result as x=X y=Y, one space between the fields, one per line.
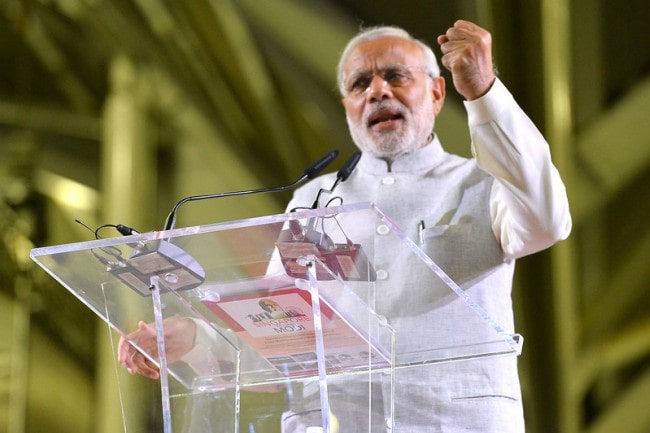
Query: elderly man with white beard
x=479 y=215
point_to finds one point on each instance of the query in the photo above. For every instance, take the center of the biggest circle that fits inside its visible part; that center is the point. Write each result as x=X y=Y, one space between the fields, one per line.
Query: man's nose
x=379 y=89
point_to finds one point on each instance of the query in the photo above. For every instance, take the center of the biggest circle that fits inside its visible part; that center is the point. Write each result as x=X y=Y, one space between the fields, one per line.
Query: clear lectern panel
x=299 y=305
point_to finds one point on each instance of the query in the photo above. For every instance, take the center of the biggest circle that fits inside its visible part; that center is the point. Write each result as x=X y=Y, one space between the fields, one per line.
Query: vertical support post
x=320 y=344
x=128 y=194
x=556 y=45
x=19 y=354
x=162 y=354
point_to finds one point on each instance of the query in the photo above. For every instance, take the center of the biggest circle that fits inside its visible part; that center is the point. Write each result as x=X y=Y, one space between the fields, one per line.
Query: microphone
x=347 y=168
x=341 y=176
x=126 y=230
x=318 y=166
x=309 y=173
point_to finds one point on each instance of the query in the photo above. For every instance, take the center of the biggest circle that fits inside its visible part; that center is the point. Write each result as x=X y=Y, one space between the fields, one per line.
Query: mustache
x=384 y=108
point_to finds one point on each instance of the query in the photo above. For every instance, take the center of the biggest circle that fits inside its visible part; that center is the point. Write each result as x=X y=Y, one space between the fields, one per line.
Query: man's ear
x=438 y=93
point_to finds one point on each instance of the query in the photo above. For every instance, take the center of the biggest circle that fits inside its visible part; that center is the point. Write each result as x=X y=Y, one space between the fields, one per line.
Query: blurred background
x=112 y=110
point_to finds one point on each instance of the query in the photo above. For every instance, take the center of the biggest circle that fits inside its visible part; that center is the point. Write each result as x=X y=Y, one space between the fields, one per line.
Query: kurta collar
x=421 y=159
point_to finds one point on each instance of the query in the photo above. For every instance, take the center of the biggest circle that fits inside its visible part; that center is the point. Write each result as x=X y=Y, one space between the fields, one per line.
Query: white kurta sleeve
x=528 y=203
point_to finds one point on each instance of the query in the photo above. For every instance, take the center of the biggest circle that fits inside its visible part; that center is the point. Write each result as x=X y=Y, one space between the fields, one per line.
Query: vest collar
x=421 y=159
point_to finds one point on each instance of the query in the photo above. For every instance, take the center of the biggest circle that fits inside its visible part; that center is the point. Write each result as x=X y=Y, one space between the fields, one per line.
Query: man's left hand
x=467 y=54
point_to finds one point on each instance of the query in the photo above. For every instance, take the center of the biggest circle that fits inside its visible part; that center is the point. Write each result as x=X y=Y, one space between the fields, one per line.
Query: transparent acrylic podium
x=300 y=307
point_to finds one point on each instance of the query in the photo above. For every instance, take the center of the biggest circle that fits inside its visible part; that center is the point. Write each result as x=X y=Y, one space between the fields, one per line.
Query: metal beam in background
x=603 y=159
x=314 y=35
x=626 y=287
x=14 y=356
x=49 y=120
x=219 y=49
x=190 y=60
x=613 y=353
x=614 y=149
x=302 y=41
x=588 y=72
x=556 y=40
x=629 y=413
x=51 y=56
x=248 y=73
x=67 y=193
x=204 y=153
x=15 y=324
x=166 y=43
x=128 y=149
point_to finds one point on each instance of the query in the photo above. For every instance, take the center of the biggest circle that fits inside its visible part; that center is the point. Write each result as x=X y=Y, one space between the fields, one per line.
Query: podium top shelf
x=219 y=274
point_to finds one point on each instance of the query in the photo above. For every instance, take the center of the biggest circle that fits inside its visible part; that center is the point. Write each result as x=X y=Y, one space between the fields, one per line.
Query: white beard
x=413 y=134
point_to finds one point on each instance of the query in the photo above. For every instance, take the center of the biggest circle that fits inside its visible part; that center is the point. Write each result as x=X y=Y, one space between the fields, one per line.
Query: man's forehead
x=383 y=51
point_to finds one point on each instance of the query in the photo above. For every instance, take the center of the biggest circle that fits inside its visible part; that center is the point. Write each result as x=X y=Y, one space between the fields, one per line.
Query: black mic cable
x=309 y=173
x=341 y=176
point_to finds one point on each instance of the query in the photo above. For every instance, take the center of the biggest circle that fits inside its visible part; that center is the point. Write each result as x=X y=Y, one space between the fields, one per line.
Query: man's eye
x=360 y=84
x=395 y=77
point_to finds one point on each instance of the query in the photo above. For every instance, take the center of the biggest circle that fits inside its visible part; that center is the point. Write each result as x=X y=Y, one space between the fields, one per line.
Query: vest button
x=382 y=274
x=388 y=180
x=383 y=229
